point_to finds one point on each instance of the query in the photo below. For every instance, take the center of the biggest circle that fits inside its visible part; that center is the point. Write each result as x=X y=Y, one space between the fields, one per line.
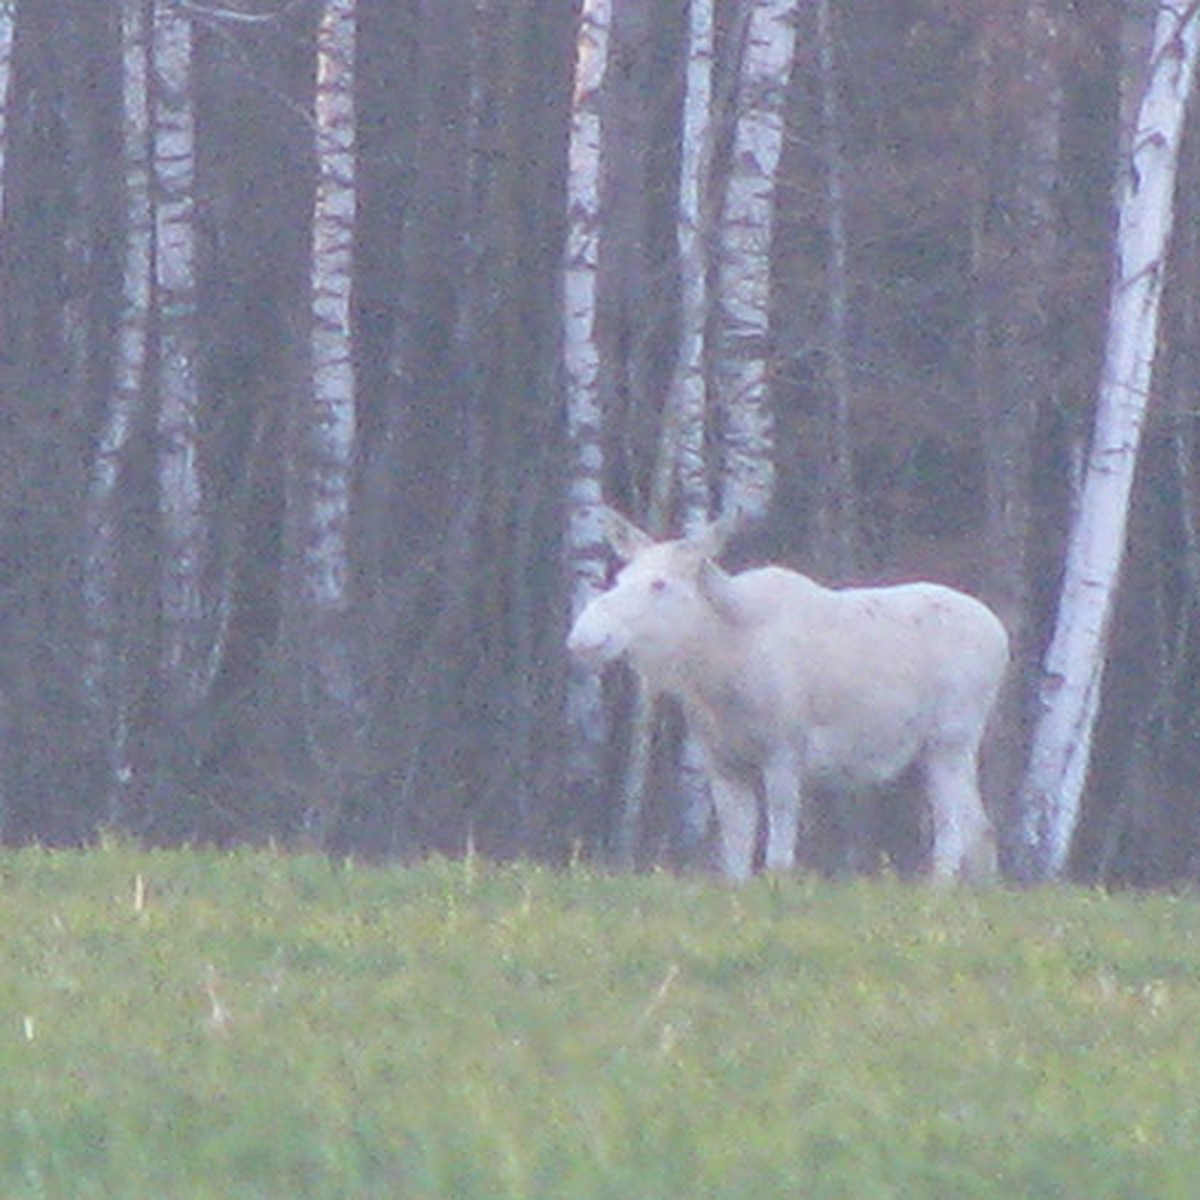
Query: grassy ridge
x=188 y=1025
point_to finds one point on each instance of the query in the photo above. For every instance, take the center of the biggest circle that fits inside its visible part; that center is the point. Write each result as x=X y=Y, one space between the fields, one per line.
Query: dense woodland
x=291 y=452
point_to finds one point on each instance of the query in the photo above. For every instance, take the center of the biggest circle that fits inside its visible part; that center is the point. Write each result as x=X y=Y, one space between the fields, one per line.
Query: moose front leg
x=737 y=823
x=781 y=783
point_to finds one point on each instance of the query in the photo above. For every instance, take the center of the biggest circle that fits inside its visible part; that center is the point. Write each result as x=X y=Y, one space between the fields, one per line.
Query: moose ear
x=625 y=538
x=717 y=587
x=712 y=540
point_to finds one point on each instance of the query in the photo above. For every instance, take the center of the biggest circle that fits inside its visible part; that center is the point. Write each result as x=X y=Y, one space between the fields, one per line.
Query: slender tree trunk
x=839 y=511
x=744 y=258
x=1073 y=668
x=80 y=27
x=324 y=440
x=982 y=316
x=1019 y=175
x=1024 y=370
x=586 y=723
x=8 y=24
x=625 y=287
x=680 y=466
x=184 y=534
x=689 y=394
x=104 y=662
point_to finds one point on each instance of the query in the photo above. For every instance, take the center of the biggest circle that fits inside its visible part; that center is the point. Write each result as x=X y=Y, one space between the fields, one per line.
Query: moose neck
x=699 y=661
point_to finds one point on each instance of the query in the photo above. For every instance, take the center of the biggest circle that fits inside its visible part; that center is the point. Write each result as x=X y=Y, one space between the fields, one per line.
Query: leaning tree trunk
x=323 y=444
x=183 y=527
x=744 y=257
x=104 y=664
x=1073 y=668
x=586 y=724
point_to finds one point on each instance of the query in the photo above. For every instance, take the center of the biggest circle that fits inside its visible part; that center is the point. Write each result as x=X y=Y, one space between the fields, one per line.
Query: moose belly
x=856 y=756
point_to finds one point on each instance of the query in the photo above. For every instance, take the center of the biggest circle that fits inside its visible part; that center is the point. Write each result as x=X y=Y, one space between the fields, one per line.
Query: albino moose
x=786 y=684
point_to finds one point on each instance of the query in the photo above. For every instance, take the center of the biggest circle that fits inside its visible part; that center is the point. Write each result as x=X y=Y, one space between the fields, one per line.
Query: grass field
x=183 y=1025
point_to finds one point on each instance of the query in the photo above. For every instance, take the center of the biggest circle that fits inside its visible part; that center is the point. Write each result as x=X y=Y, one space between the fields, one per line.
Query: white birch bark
x=331 y=432
x=103 y=667
x=1073 y=668
x=681 y=463
x=581 y=364
x=327 y=429
x=744 y=257
x=181 y=501
x=8 y=23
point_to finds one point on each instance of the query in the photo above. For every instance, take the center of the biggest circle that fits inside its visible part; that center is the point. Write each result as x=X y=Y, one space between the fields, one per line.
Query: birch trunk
x=586 y=724
x=744 y=257
x=1073 y=668
x=183 y=656
x=326 y=435
x=8 y=23
x=681 y=465
x=104 y=654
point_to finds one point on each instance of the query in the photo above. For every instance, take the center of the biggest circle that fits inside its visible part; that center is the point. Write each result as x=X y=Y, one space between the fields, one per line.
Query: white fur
x=785 y=683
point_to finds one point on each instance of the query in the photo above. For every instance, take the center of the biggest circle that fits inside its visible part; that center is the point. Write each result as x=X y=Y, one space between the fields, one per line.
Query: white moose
x=786 y=683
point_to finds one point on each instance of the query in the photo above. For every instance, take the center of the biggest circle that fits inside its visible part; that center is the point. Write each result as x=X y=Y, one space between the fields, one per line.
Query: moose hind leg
x=963 y=842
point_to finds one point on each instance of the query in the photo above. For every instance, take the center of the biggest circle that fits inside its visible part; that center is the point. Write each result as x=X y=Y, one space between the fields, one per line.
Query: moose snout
x=591 y=641
x=588 y=648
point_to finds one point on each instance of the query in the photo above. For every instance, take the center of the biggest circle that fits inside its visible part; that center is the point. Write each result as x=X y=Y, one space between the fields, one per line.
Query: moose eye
x=658 y=585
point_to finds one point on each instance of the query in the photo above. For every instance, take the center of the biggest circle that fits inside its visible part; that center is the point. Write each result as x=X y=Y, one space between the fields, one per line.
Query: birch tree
x=680 y=468
x=184 y=653
x=104 y=665
x=8 y=24
x=681 y=463
x=744 y=257
x=1073 y=668
x=325 y=435
x=586 y=726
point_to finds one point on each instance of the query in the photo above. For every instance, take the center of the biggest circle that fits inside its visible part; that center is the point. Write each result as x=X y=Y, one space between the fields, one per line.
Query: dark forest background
x=974 y=333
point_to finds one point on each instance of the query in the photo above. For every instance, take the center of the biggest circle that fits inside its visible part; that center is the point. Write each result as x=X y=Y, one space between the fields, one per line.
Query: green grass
x=185 y=1025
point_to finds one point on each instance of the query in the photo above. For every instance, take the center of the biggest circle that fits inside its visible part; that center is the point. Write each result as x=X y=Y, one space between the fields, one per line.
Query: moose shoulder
x=786 y=683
